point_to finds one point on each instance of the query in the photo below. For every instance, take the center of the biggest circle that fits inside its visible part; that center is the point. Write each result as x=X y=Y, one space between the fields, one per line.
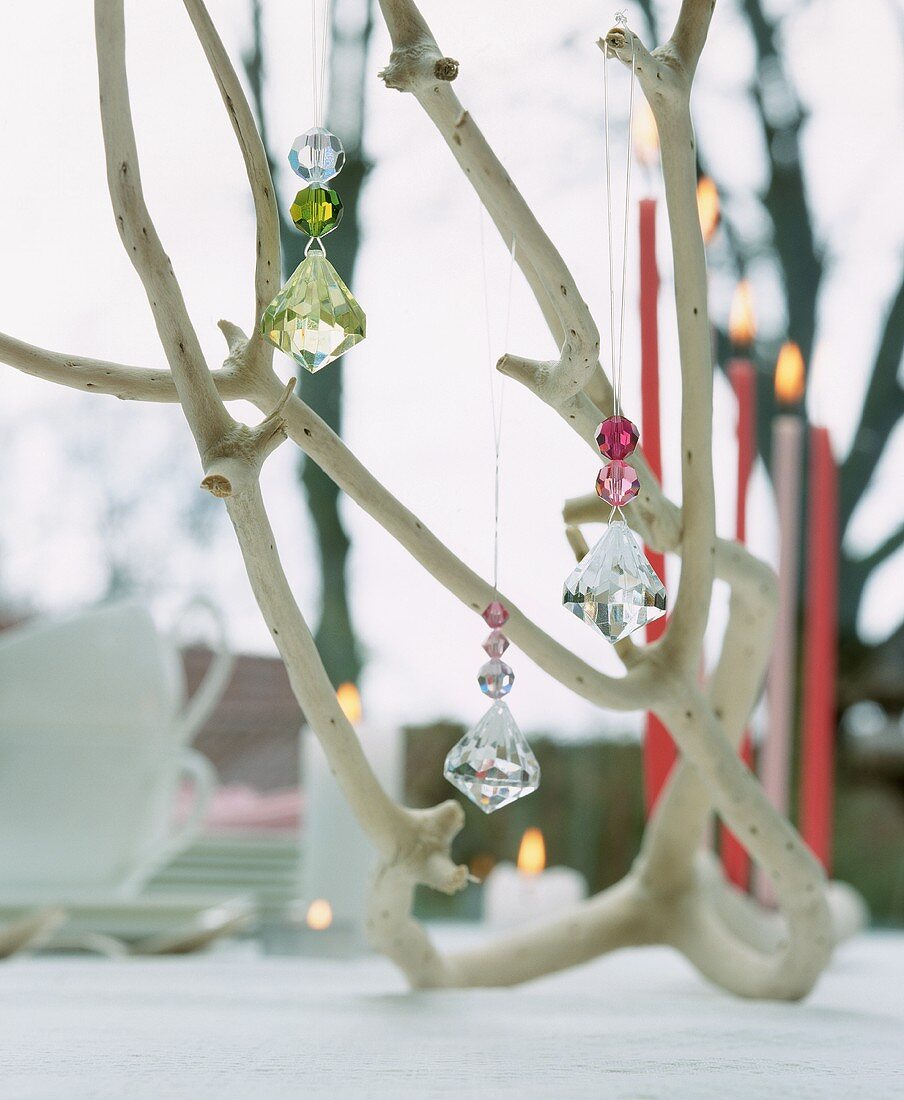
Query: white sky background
x=417 y=390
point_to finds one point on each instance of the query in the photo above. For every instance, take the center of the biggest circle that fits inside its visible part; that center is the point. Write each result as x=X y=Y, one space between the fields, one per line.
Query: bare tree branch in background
x=350 y=34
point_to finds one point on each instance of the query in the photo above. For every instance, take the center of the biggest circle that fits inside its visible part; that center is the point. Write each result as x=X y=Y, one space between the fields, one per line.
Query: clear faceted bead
x=495 y=644
x=614 y=588
x=315 y=317
x=495 y=679
x=617 y=483
x=493 y=764
x=317 y=155
x=495 y=614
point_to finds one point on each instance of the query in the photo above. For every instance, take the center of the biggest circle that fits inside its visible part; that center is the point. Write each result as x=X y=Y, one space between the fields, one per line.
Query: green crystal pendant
x=315 y=317
x=316 y=211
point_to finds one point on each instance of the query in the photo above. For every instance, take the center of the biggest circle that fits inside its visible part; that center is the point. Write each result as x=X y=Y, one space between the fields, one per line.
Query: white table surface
x=638 y=1024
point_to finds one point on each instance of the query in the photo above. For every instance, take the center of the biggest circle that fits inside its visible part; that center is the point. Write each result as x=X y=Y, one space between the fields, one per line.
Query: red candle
x=659 y=752
x=820 y=651
x=742 y=374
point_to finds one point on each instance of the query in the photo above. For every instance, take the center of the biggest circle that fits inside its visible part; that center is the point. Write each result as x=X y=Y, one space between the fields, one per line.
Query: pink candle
x=787 y=450
x=742 y=373
x=820 y=650
x=659 y=752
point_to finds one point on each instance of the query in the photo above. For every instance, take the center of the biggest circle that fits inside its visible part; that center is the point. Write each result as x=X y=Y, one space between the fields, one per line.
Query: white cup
x=94 y=725
x=81 y=816
x=106 y=672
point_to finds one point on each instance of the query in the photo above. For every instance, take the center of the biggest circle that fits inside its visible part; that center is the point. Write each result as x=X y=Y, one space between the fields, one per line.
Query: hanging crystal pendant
x=315 y=317
x=613 y=588
x=493 y=764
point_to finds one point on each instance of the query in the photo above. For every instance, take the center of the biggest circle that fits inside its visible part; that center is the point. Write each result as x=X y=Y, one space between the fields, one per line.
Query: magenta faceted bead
x=496 y=644
x=495 y=615
x=617 y=483
x=495 y=679
x=617 y=437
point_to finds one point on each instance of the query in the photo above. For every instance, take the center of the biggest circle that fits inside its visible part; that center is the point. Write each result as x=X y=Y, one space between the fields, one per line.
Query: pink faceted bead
x=496 y=644
x=495 y=615
x=617 y=437
x=617 y=483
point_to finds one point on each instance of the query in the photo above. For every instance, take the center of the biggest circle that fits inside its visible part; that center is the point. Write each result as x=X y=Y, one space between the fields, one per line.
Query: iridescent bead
x=495 y=614
x=617 y=483
x=316 y=211
x=617 y=437
x=495 y=679
x=317 y=155
x=496 y=644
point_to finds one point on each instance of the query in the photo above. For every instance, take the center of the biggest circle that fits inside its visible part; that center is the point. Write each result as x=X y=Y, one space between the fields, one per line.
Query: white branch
x=671 y=895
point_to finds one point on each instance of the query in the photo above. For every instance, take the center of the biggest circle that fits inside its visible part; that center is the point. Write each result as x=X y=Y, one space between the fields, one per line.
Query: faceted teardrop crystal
x=317 y=155
x=316 y=211
x=614 y=589
x=315 y=317
x=493 y=764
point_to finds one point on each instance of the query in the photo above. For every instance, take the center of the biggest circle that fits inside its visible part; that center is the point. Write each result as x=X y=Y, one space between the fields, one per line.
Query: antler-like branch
x=267 y=268
x=671 y=895
x=232 y=454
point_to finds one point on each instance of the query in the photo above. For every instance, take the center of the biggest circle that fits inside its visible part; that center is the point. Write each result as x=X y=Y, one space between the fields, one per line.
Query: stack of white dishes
x=95 y=735
x=261 y=864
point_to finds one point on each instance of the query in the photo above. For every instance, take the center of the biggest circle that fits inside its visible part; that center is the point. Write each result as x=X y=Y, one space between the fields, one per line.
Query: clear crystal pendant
x=613 y=588
x=493 y=764
x=315 y=317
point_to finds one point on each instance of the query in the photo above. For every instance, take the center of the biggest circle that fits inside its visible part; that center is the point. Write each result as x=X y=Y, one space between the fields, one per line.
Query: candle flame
x=708 y=207
x=741 y=319
x=532 y=853
x=350 y=701
x=645 y=136
x=320 y=915
x=789 y=374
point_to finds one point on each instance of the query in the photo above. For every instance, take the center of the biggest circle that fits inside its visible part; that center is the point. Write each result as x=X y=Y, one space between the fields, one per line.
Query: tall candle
x=820 y=650
x=742 y=373
x=659 y=750
x=787 y=451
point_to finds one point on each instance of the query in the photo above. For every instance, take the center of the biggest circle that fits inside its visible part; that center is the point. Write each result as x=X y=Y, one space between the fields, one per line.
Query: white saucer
x=148 y=914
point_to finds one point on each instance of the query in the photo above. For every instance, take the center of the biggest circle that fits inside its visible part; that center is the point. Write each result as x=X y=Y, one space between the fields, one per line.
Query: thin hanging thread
x=617 y=359
x=616 y=352
x=495 y=410
x=319 y=38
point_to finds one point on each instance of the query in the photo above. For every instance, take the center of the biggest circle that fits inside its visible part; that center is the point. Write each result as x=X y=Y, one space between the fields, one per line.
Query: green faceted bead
x=316 y=210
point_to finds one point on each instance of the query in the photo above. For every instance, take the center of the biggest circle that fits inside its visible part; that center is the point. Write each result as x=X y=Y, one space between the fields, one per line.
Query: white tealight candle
x=526 y=892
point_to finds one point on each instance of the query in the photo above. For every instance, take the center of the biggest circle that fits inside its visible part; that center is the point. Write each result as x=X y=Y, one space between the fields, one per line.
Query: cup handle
x=210 y=691
x=196 y=767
